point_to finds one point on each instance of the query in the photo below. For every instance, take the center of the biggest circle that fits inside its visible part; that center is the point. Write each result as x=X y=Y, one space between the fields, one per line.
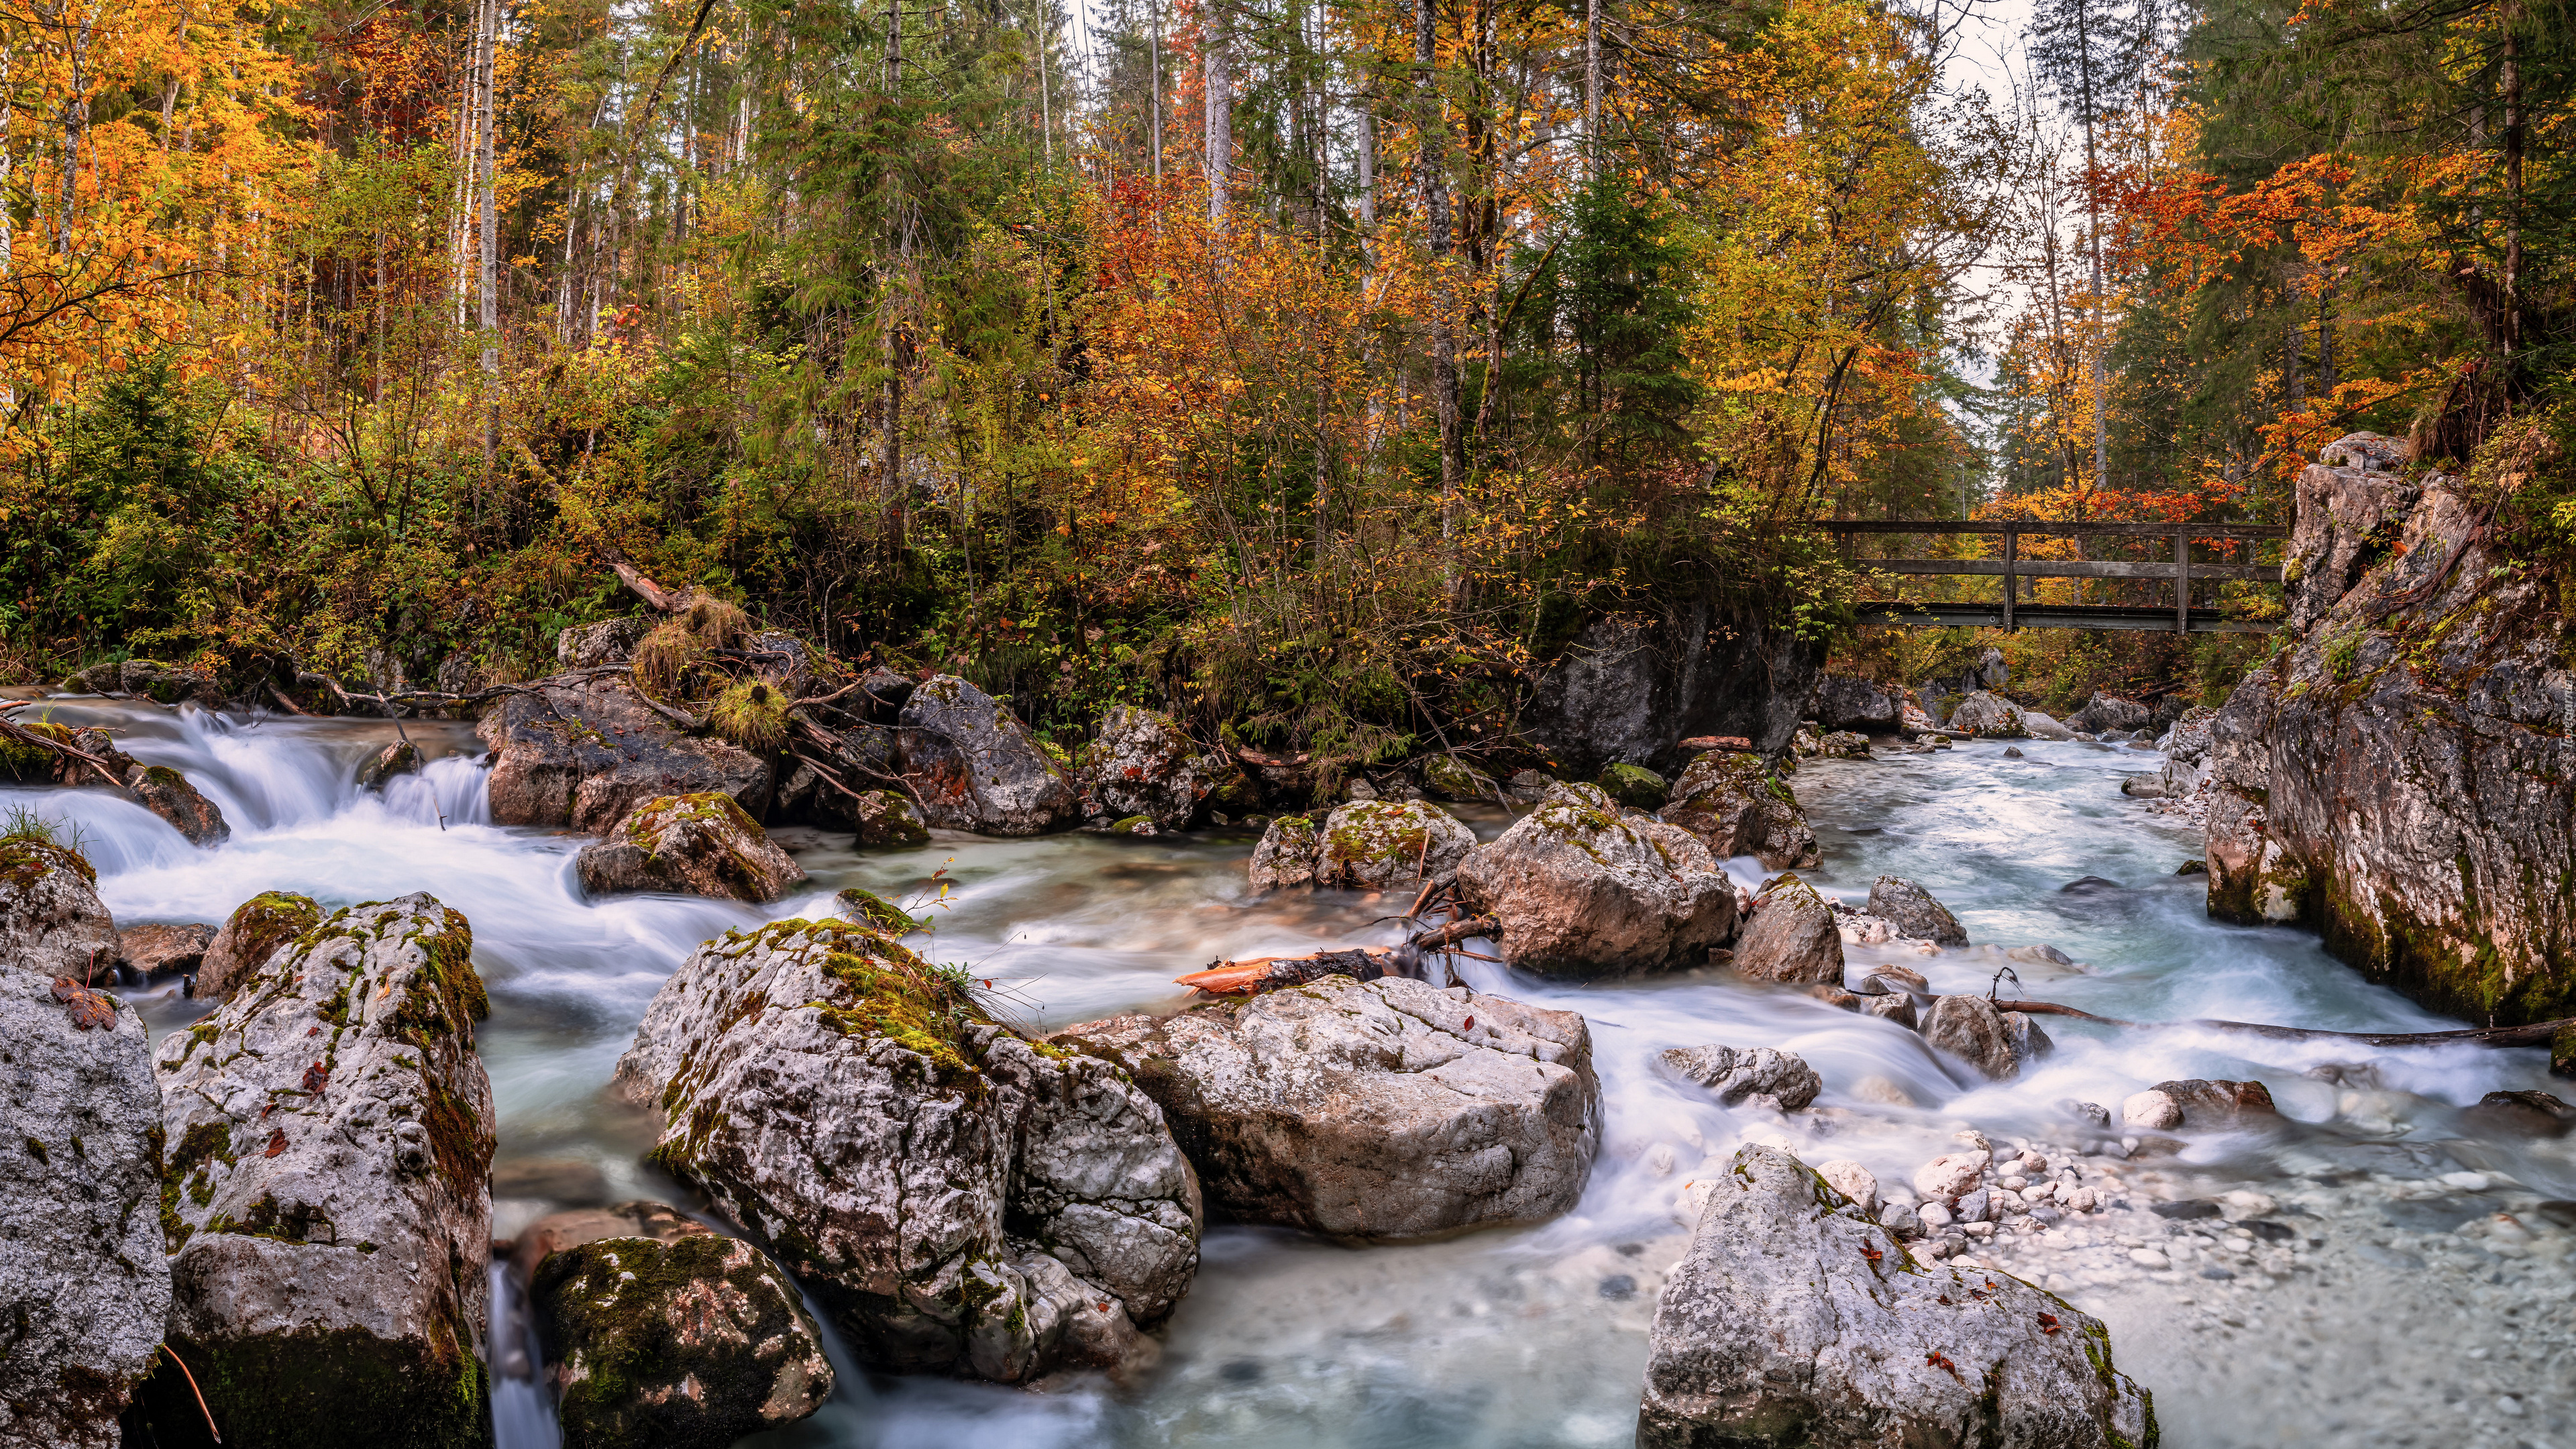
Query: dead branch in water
x=2538 y=1033
x=1366 y=963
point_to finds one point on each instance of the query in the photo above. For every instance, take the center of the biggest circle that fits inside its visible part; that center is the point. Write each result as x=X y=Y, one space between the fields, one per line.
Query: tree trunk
x=488 y=261
x=2513 y=147
x=899 y=244
x=1154 y=63
x=1220 y=112
x=1434 y=184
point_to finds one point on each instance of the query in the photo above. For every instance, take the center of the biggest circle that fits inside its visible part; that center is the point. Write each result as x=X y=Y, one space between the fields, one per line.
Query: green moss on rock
x=1633 y=785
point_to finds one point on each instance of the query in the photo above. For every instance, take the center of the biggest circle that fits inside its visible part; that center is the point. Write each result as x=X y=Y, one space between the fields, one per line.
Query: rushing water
x=2388 y=1328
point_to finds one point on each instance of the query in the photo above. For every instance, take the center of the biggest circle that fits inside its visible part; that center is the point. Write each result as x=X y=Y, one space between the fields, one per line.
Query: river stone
x=1989 y=716
x=254 y=931
x=1290 y=848
x=2154 y=1110
x=1853 y=1181
x=977 y=767
x=2104 y=713
x=2208 y=1104
x=1914 y=911
x=1846 y=703
x=957 y=1198
x=166 y=793
x=685 y=1342
x=2044 y=727
x=1376 y=844
x=1844 y=745
x=160 y=949
x=610 y=641
x=330 y=1136
x=1732 y=800
x=1791 y=936
x=1385 y=1109
x=1581 y=891
x=1781 y=1081
x=1142 y=764
x=1794 y=1319
x=1636 y=786
x=1997 y=1043
x=1449 y=778
x=582 y=753
x=83 y=1284
x=700 y=845
x=51 y=921
x=885 y=819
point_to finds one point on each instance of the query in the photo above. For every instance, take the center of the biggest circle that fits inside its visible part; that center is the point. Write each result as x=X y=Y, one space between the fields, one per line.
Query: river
x=2377 y=1322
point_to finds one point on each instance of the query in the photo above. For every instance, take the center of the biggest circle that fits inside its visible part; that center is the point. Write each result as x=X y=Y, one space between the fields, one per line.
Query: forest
x=1310 y=368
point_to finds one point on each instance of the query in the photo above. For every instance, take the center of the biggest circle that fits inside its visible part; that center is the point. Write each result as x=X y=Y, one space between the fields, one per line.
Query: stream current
x=2382 y=1301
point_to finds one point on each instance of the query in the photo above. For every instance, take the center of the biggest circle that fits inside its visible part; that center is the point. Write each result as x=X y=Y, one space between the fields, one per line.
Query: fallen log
x=2538 y=1033
x=1365 y=963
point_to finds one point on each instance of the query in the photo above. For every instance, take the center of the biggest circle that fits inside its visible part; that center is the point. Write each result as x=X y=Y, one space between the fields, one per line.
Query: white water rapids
x=2379 y=1324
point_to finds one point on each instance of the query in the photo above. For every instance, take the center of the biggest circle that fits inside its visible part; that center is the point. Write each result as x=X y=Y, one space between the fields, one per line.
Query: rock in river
x=330 y=1137
x=1997 y=1043
x=1989 y=716
x=695 y=844
x=1377 y=844
x=679 y=1340
x=166 y=793
x=977 y=767
x=1733 y=801
x=1914 y=912
x=1389 y=1109
x=1794 y=1319
x=161 y=949
x=1791 y=936
x=1581 y=890
x=1781 y=1081
x=583 y=752
x=957 y=1197
x=1142 y=764
x=83 y=1284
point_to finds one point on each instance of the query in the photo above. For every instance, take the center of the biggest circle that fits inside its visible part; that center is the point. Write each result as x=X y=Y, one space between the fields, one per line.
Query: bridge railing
x=2011 y=613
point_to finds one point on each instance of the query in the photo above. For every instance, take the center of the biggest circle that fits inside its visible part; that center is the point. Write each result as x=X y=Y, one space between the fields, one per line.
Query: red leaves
x=1873 y=1254
x=89 y=1010
x=316 y=1077
x=1470 y=1026
x=276 y=1143
x=1939 y=1360
x=2048 y=1323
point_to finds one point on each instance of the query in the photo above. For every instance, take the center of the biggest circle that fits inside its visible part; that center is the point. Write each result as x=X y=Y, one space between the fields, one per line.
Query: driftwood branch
x=2538 y=1033
x=1366 y=963
x=668 y=601
x=16 y=733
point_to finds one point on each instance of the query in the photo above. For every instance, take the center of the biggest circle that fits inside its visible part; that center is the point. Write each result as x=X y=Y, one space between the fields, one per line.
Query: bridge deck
x=2009 y=613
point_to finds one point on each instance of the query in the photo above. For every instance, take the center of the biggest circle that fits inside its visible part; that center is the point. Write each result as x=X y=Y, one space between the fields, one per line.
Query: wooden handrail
x=2058 y=530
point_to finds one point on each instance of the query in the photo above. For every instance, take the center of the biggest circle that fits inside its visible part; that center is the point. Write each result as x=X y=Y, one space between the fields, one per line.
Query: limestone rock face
x=1142 y=764
x=1290 y=849
x=255 y=930
x=1989 y=716
x=1781 y=1081
x=1794 y=1319
x=1914 y=912
x=1846 y=703
x=1385 y=1109
x=1734 y=802
x=329 y=1135
x=610 y=641
x=1580 y=890
x=1375 y=844
x=1791 y=936
x=166 y=793
x=700 y=845
x=51 y=921
x=2403 y=775
x=581 y=753
x=1997 y=1043
x=957 y=1197
x=83 y=1284
x=1631 y=687
x=977 y=767
x=689 y=1343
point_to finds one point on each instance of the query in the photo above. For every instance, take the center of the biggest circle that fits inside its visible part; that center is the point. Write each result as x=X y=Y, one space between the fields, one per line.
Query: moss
x=1375 y=831
x=1633 y=785
x=269 y=920
x=186 y=1171
x=752 y=715
x=33 y=764
x=289 y=1390
x=870 y=909
x=25 y=860
x=1133 y=825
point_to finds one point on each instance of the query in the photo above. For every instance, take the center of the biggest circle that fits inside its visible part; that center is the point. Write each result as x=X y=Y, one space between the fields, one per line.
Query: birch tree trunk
x=1220 y=113
x=1434 y=185
x=488 y=258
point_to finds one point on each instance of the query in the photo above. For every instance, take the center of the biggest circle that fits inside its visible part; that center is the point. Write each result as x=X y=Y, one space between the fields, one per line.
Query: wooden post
x=2010 y=539
x=2182 y=583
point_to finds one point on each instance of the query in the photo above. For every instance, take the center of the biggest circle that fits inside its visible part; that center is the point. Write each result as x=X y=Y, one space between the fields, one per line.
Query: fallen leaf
x=2048 y=1323
x=316 y=1077
x=276 y=1143
x=1470 y=1026
x=89 y=1010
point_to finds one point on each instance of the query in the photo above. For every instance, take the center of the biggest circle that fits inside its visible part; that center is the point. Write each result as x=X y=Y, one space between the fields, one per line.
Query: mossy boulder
x=52 y=922
x=1735 y=801
x=1289 y=851
x=977 y=767
x=401 y=757
x=257 y=928
x=1132 y=825
x=1634 y=786
x=887 y=820
x=1451 y=778
x=703 y=845
x=870 y=909
x=584 y=752
x=1581 y=890
x=685 y=1342
x=1143 y=764
x=23 y=763
x=167 y=793
x=324 y=1196
x=1375 y=844
x=959 y=1198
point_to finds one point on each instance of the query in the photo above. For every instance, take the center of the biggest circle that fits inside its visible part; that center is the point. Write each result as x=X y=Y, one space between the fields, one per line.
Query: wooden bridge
x=2010 y=612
